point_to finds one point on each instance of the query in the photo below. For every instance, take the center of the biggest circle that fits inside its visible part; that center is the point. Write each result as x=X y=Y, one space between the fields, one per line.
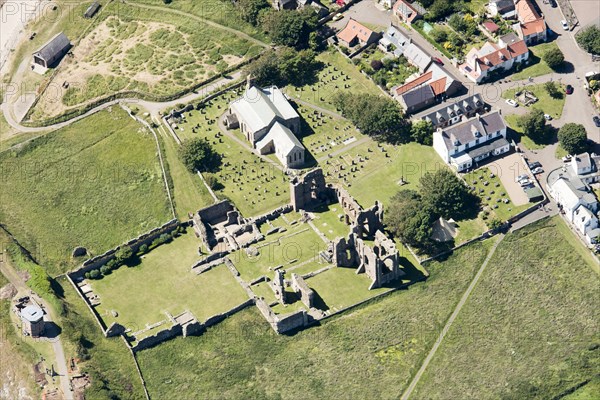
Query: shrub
x=554 y=58
x=124 y=254
x=376 y=65
x=105 y=270
x=589 y=39
x=95 y=274
x=143 y=249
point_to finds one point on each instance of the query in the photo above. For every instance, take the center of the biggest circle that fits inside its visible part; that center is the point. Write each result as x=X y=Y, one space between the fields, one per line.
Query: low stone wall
x=135 y=244
x=215 y=319
x=216 y=213
x=158 y=338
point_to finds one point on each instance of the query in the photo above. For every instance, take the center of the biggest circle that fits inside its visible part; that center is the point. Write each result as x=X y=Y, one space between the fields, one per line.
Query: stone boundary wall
x=135 y=244
x=99 y=320
x=137 y=367
x=215 y=319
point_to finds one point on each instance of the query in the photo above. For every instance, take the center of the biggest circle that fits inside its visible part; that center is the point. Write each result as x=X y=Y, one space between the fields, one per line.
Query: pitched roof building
x=502 y=8
x=501 y=56
x=449 y=114
x=53 y=51
x=407 y=11
x=433 y=85
x=531 y=26
x=356 y=33
x=269 y=122
x=465 y=144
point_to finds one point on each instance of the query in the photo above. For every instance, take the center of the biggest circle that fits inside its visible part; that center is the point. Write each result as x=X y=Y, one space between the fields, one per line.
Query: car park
x=569 y=89
x=512 y=103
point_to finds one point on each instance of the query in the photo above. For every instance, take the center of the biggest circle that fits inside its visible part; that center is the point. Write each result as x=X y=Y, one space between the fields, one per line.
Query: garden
x=385 y=70
x=97 y=190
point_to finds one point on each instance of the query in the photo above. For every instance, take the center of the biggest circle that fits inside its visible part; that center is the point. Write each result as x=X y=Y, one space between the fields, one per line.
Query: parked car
x=525 y=182
x=537 y=170
x=569 y=89
x=548 y=117
x=535 y=164
x=437 y=60
x=553 y=3
x=337 y=17
x=567 y=158
x=512 y=103
x=564 y=24
x=32 y=36
x=596 y=120
x=522 y=177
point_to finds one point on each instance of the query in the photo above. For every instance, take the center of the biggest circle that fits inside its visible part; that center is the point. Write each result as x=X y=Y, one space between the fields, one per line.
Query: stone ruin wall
x=307 y=295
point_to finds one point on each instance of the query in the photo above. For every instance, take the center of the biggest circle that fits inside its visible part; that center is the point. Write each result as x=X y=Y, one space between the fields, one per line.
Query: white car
x=522 y=177
x=525 y=182
x=537 y=170
x=564 y=24
x=548 y=117
x=337 y=17
x=512 y=103
x=567 y=158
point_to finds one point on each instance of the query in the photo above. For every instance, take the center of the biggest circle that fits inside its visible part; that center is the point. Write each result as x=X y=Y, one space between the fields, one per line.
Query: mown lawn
x=512 y=120
x=370 y=352
x=547 y=104
x=163 y=282
x=537 y=67
x=530 y=327
x=95 y=183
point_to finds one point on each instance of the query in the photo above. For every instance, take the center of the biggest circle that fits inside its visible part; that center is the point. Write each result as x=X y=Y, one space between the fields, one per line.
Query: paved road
x=444 y=331
x=60 y=366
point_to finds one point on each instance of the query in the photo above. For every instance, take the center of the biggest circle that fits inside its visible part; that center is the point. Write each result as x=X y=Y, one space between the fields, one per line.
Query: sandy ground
x=14 y=16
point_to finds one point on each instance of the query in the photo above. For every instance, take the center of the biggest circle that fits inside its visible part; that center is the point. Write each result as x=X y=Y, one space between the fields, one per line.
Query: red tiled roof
x=414 y=83
x=490 y=26
x=354 y=29
x=438 y=86
x=518 y=48
x=533 y=27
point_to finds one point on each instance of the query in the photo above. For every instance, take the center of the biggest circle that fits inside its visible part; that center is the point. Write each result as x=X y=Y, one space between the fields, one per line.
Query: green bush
x=95 y=274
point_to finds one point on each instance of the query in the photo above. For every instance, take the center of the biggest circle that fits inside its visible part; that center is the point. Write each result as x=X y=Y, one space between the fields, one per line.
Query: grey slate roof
x=462 y=107
x=487 y=147
x=465 y=132
x=54 y=46
x=91 y=10
x=417 y=96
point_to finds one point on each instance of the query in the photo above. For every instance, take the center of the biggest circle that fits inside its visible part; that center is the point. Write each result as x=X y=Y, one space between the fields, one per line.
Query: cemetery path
x=199 y=19
x=60 y=363
x=453 y=316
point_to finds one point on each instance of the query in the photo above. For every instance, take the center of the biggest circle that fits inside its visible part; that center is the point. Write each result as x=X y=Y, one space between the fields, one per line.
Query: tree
x=573 y=138
x=447 y=195
x=95 y=274
x=376 y=65
x=409 y=219
x=124 y=254
x=438 y=35
x=290 y=27
x=105 y=270
x=250 y=10
x=495 y=224
x=553 y=90
x=589 y=39
x=534 y=125
x=422 y=132
x=554 y=58
x=198 y=155
x=284 y=66
x=376 y=116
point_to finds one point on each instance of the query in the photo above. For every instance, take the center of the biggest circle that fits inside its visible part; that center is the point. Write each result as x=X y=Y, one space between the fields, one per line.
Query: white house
x=465 y=144
x=503 y=8
x=586 y=223
x=269 y=122
x=479 y=63
x=585 y=167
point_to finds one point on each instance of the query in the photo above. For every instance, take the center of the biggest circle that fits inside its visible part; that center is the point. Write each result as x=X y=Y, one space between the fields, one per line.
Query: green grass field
x=512 y=120
x=530 y=326
x=370 y=352
x=95 y=183
x=547 y=104
x=537 y=67
x=163 y=282
x=328 y=222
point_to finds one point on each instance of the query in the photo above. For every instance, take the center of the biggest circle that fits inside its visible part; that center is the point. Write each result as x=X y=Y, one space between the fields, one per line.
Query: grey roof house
x=449 y=114
x=52 y=52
